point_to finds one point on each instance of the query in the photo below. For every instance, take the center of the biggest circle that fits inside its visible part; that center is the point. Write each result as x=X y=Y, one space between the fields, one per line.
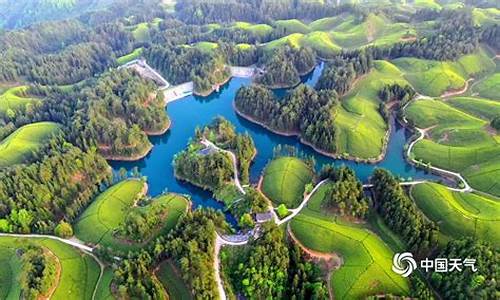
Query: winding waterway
x=188 y=113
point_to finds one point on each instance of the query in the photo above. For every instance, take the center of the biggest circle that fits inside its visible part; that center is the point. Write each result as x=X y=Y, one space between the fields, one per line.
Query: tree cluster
x=141 y=223
x=482 y=284
x=222 y=133
x=284 y=65
x=34 y=198
x=346 y=193
x=341 y=72
x=273 y=268
x=133 y=278
x=38 y=271
x=191 y=244
x=182 y=64
x=401 y=214
x=303 y=111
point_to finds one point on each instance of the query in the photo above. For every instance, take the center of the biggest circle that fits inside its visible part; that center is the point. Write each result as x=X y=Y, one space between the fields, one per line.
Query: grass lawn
x=129 y=57
x=360 y=127
x=79 y=272
x=459 y=141
x=433 y=78
x=488 y=88
x=99 y=221
x=460 y=214
x=366 y=268
x=291 y=26
x=15 y=98
x=285 y=179
x=206 y=46
x=261 y=30
x=18 y=146
x=170 y=278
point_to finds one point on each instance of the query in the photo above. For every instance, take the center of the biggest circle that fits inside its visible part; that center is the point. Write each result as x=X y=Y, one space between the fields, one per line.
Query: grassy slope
x=172 y=282
x=360 y=127
x=460 y=214
x=285 y=179
x=433 y=78
x=488 y=88
x=459 y=141
x=13 y=98
x=129 y=57
x=79 y=272
x=18 y=146
x=108 y=211
x=103 y=291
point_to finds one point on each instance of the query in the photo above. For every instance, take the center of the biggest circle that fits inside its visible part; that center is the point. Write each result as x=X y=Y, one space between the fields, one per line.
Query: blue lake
x=190 y=112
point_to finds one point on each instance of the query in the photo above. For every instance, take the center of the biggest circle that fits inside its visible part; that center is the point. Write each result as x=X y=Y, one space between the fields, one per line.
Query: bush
x=282 y=211
x=63 y=230
x=495 y=123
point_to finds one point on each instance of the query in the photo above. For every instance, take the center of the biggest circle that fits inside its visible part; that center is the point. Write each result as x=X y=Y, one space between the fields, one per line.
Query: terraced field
x=285 y=179
x=99 y=221
x=15 y=98
x=79 y=272
x=360 y=127
x=460 y=214
x=458 y=140
x=366 y=260
x=18 y=146
x=434 y=78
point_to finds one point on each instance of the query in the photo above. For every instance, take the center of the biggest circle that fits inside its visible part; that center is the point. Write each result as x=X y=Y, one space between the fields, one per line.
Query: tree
x=63 y=229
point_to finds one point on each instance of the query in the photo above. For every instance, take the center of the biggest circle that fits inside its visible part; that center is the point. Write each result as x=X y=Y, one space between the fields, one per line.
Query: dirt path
x=55 y=284
x=452 y=93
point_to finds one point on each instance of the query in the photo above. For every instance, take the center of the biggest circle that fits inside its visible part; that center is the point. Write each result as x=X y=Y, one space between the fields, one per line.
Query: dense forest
x=346 y=194
x=466 y=283
x=33 y=198
x=283 y=66
x=401 y=214
x=304 y=111
x=117 y=113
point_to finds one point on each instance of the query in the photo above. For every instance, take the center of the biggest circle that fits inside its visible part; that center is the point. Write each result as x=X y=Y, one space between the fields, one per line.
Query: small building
x=264 y=217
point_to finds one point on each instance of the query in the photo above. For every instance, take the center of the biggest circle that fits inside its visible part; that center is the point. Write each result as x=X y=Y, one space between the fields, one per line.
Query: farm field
x=457 y=140
x=79 y=273
x=434 y=78
x=18 y=146
x=460 y=214
x=172 y=282
x=15 y=98
x=360 y=127
x=285 y=179
x=99 y=221
x=366 y=267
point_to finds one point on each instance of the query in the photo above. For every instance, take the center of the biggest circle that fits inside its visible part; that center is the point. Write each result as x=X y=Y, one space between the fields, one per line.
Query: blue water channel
x=190 y=112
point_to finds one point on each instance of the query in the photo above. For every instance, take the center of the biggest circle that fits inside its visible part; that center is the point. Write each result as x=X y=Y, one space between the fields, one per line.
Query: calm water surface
x=191 y=112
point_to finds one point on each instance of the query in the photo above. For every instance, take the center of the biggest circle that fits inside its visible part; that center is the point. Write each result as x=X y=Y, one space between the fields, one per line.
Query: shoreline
x=315 y=148
x=129 y=158
x=212 y=90
x=161 y=131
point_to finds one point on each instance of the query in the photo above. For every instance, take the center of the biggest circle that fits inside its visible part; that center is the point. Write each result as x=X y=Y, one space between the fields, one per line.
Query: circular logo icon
x=403 y=264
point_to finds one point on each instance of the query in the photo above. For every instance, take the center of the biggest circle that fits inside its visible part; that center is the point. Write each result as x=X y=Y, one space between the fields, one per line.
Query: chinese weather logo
x=404 y=264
